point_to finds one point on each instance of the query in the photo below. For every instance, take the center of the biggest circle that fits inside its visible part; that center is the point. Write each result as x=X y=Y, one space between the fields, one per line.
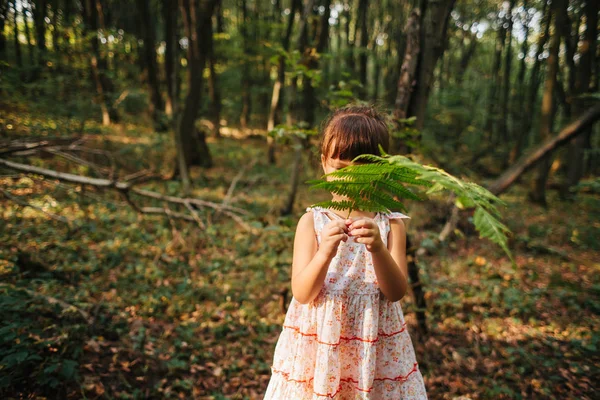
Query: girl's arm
x=310 y=262
x=389 y=263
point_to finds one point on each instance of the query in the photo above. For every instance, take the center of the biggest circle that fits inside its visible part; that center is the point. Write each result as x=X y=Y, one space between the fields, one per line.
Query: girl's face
x=333 y=164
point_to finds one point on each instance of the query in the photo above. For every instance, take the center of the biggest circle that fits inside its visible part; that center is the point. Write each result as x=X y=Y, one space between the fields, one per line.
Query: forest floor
x=158 y=308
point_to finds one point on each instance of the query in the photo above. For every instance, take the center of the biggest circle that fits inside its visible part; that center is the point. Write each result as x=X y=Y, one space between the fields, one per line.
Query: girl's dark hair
x=354 y=130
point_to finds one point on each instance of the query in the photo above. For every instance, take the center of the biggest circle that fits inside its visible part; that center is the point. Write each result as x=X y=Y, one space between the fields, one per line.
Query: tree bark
x=434 y=23
x=214 y=92
x=504 y=129
x=245 y=84
x=582 y=85
x=149 y=52
x=193 y=150
x=496 y=68
x=277 y=98
x=409 y=66
x=3 y=19
x=39 y=17
x=543 y=150
x=91 y=16
x=364 y=39
x=28 y=34
x=169 y=10
x=18 y=57
x=538 y=192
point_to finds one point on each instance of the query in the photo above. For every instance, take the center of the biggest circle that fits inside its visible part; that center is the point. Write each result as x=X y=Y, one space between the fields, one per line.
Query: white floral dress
x=350 y=342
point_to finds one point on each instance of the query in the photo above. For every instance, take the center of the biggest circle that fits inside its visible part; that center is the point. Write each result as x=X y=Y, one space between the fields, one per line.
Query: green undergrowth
x=120 y=306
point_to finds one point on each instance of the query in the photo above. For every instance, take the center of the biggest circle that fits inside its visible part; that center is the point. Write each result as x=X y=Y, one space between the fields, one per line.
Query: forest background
x=153 y=156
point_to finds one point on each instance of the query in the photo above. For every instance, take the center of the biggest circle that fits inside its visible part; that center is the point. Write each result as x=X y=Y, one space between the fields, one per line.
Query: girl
x=344 y=335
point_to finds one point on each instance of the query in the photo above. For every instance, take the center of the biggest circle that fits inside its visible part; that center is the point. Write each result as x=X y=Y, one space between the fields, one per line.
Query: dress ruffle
x=370 y=329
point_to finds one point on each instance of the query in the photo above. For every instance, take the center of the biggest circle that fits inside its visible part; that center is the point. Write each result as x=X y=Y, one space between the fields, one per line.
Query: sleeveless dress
x=350 y=342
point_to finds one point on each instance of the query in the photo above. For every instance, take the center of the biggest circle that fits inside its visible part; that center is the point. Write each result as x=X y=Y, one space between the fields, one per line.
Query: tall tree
x=147 y=27
x=503 y=128
x=434 y=24
x=40 y=12
x=191 y=143
x=583 y=80
x=169 y=11
x=277 y=96
x=364 y=39
x=3 y=18
x=17 y=44
x=245 y=76
x=538 y=192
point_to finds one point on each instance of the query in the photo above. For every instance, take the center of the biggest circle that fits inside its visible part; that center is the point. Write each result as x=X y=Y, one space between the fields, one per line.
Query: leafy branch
x=381 y=183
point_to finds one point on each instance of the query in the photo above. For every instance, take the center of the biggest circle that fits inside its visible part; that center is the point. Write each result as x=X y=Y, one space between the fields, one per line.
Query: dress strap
x=397 y=215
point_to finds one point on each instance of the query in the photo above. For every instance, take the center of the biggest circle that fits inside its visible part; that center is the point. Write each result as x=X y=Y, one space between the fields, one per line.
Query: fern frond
x=381 y=184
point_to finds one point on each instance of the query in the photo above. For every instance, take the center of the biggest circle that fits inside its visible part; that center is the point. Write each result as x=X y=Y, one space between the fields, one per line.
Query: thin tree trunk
x=538 y=192
x=245 y=115
x=214 y=92
x=364 y=39
x=465 y=58
x=409 y=66
x=169 y=9
x=18 y=57
x=534 y=79
x=39 y=18
x=3 y=19
x=277 y=96
x=149 y=52
x=310 y=100
x=434 y=24
x=91 y=14
x=193 y=150
x=582 y=85
x=28 y=35
x=496 y=68
x=527 y=162
x=295 y=178
x=504 y=129
x=520 y=139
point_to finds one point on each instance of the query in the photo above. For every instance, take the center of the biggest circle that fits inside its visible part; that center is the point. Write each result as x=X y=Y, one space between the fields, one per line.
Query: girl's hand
x=366 y=231
x=332 y=234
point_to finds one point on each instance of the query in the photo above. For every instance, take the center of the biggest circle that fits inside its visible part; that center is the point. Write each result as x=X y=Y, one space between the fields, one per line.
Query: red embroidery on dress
x=347 y=338
x=400 y=378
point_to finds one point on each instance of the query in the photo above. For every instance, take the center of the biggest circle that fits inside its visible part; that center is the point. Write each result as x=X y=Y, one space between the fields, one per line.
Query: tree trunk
x=364 y=39
x=214 y=92
x=497 y=66
x=534 y=80
x=277 y=98
x=520 y=139
x=169 y=9
x=39 y=18
x=3 y=19
x=147 y=26
x=504 y=129
x=582 y=85
x=526 y=162
x=197 y=18
x=288 y=207
x=409 y=67
x=465 y=58
x=434 y=23
x=538 y=192
x=18 y=57
x=312 y=61
x=245 y=84
x=28 y=35
x=91 y=15
x=349 y=41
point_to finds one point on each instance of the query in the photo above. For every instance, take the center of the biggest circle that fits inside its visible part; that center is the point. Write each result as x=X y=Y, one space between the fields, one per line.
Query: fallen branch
x=528 y=161
x=118 y=185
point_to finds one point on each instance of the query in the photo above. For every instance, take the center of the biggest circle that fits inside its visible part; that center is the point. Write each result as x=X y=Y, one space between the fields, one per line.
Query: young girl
x=344 y=335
